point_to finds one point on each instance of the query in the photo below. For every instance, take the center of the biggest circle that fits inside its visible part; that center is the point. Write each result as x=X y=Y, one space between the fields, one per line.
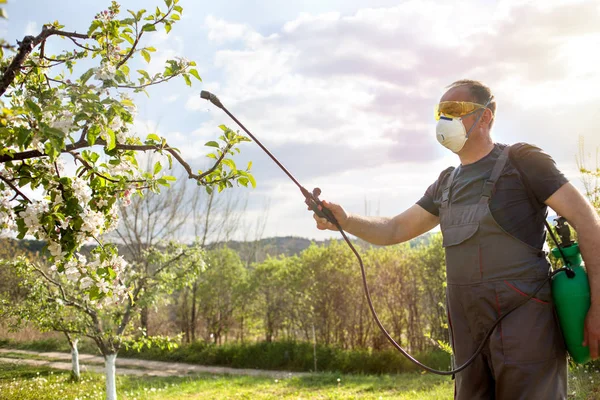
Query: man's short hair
x=480 y=93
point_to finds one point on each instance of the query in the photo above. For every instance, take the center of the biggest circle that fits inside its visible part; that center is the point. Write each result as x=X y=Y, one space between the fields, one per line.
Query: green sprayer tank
x=571 y=295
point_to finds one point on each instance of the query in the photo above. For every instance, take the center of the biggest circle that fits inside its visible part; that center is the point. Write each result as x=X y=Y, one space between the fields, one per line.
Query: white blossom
x=72 y=273
x=31 y=217
x=58 y=199
x=81 y=190
x=54 y=249
x=116 y=123
x=7 y=215
x=101 y=203
x=93 y=222
x=65 y=223
x=105 y=72
x=103 y=286
x=86 y=282
x=63 y=121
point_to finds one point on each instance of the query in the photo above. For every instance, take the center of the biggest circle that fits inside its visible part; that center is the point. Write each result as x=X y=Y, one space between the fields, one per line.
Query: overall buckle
x=488 y=188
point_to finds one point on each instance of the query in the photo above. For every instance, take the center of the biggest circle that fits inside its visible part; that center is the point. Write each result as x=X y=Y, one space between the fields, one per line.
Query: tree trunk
x=111 y=382
x=193 y=313
x=75 y=360
x=242 y=327
x=144 y=320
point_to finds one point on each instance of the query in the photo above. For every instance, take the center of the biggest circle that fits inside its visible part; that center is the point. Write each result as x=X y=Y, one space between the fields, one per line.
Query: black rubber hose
x=213 y=99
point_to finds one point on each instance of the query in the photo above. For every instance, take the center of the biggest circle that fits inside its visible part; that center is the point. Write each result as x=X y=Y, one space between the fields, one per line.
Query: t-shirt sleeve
x=432 y=198
x=540 y=170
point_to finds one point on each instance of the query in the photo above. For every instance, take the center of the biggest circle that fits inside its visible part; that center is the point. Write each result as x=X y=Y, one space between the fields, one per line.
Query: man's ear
x=487 y=116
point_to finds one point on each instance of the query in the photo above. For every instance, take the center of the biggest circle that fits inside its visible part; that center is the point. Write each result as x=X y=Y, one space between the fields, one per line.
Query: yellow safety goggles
x=456 y=109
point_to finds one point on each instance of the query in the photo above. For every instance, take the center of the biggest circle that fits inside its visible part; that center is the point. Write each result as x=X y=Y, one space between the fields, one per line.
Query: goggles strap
x=480 y=115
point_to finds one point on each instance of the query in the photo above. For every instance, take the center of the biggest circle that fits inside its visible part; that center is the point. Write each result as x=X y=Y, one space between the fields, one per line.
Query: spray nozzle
x=564 y=232
x=211 y=97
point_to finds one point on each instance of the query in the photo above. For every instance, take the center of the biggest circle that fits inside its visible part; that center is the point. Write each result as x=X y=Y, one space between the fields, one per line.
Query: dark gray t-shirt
x=510 y=204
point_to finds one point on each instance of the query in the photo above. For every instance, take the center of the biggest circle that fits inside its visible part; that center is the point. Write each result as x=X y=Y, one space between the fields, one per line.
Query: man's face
x=462 y=93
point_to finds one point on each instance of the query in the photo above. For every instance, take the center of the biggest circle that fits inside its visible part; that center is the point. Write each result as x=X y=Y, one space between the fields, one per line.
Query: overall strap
x=489 y=185
x=446 y=192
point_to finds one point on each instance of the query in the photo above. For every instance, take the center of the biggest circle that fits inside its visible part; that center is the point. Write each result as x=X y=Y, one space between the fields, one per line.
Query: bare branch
x=90 y=168
x=168 y=263
x=80 y=45
x=13 y=187
x=139 y=35
x=25 y=155
x=25 y=48
x=133 y=46
x=146 y=84
x=68 y=302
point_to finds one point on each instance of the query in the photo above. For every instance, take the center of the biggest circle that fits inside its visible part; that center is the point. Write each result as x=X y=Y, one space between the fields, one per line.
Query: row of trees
x=316 y=295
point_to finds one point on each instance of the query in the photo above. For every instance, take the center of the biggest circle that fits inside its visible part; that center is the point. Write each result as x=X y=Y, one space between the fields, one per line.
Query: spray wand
x=315 y=204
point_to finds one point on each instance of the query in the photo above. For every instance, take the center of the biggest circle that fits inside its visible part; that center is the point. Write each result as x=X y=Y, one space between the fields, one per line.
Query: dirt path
x=129 y=366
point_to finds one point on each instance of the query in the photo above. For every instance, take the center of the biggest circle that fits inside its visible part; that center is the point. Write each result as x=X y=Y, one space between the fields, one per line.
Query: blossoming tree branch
x=50 y=114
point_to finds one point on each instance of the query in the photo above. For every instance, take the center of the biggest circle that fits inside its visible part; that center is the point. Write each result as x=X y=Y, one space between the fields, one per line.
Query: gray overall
x=488 y=271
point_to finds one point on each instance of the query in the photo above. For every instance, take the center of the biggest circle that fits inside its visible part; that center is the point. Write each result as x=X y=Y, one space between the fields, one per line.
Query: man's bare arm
x=381 y=230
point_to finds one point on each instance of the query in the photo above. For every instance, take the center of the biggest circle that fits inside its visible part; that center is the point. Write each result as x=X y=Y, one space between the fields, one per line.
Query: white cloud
x=172 y=98
x=367 y=82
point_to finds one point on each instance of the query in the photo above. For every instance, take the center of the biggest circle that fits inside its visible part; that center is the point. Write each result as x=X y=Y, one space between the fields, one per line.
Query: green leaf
x=157 y=167
x=146 y=55
x=195 y=74
x=169 y=178
x=128 y=38
x=93 y=133
x=230 y=163
x=175 y=17
x=187 y=79
x=112 y=140
x=143 y=73
x=249 y=165
x=94 y=293
x=178 y=9
x=153 y=136
x=95 y=25
x=168 y=2
x=149 y=28
x=252 y=181
x=34 y=108
x=21 y=227
x=86 y=76
x=167 y=27
x=23 y=135
x=212 y=143
x=151 y=49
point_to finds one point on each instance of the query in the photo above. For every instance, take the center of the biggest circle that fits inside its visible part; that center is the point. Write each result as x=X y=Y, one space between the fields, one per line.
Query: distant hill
x=250 y=252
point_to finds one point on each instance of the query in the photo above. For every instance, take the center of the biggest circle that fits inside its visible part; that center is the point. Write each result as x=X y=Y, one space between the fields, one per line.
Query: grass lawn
x=28 y=383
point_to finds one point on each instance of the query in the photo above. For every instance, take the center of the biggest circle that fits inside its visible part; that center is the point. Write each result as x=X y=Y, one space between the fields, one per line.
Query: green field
x=29 y=383
x=23 y=382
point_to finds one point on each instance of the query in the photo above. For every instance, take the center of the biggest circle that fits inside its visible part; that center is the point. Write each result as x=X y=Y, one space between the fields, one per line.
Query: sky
x=342 y=92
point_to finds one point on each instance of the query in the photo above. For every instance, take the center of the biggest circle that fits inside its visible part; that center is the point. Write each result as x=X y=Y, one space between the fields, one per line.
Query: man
x=493 y=235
